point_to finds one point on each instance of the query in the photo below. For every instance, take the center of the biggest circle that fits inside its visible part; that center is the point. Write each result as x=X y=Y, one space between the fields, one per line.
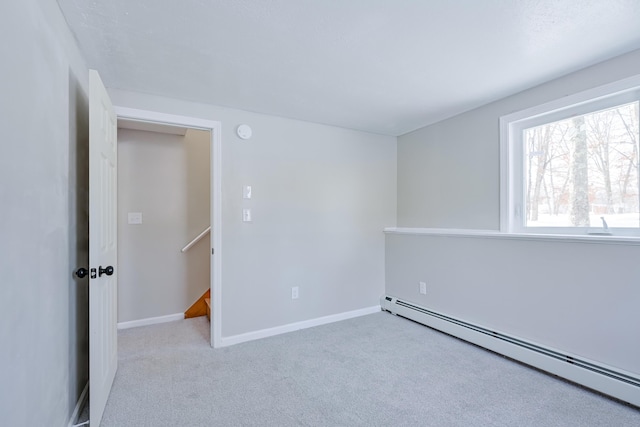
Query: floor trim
x=264 y=333
x=150 y=321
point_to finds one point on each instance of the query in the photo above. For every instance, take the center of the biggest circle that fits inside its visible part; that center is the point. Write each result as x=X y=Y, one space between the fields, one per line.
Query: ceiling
x=383 y=66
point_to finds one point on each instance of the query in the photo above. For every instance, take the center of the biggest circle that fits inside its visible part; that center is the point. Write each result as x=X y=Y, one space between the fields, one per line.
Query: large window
x=571 y=166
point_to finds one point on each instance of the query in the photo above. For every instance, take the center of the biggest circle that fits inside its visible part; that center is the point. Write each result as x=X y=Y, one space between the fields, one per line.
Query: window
x=571 y=166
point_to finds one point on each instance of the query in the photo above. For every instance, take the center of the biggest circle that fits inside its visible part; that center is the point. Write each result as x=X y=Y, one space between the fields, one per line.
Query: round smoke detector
x=244 y=131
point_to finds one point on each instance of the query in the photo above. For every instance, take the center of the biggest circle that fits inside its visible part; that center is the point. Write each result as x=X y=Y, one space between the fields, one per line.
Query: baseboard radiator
x=605 y=379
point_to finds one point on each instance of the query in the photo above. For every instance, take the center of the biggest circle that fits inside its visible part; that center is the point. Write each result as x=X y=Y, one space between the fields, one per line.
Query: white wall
x=43 y=216
x=577 y=297
x=321 y=197
x=166 y=178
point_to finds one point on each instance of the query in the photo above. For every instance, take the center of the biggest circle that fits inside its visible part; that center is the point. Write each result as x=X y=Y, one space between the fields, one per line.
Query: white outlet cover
x=423 y=288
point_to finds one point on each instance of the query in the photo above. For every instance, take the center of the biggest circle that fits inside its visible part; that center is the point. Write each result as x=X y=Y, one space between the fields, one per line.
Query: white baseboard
x=598 y=376
x=150 y=321
x=79 y=405
x=291 y=327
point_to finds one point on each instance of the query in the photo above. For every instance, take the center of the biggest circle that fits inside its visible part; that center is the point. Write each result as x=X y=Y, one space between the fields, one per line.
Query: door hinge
x=211 y=251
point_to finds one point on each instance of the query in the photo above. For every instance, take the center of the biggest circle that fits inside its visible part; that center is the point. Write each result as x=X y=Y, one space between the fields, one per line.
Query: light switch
x=246 y=215
x=246 y=192
x=135 y=217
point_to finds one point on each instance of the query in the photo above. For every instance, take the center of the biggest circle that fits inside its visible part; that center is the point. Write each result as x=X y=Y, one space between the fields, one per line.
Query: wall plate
x=246 y=215
x=134 y=217
x=246 y=192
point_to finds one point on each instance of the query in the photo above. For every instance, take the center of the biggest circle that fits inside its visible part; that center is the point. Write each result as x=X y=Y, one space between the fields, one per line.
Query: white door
x=103 y=350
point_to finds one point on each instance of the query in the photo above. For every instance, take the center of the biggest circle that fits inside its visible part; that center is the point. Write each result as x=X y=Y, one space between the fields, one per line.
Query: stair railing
x=196 y=239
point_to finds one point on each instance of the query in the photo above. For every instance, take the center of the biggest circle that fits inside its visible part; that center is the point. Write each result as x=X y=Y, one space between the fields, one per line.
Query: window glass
x=570 y=166
x=583 y=169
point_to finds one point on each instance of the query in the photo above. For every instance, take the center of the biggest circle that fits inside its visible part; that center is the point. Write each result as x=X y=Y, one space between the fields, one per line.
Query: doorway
x=163 y=202
x=145 y=121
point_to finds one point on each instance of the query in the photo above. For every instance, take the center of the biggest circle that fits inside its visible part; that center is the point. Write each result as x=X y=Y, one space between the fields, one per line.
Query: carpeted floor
x=376 y=370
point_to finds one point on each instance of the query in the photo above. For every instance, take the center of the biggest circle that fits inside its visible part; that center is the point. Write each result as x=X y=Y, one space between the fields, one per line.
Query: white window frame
x=512 y=151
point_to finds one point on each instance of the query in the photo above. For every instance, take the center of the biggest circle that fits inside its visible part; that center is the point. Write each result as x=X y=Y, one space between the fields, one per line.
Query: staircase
x=202 y=307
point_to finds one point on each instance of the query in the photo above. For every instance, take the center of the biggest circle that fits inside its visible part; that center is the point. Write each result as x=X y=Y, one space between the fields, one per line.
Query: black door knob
x=108 y=271
x=81 y=273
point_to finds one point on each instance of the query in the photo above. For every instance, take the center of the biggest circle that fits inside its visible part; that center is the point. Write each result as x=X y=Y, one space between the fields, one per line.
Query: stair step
x=208 y=302
x=199 y=308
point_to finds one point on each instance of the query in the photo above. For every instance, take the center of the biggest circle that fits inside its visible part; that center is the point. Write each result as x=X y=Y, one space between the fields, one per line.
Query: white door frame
x=216 y=198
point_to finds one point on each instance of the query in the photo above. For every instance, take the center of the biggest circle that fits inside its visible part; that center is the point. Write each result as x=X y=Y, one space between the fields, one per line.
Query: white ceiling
x=384 y=66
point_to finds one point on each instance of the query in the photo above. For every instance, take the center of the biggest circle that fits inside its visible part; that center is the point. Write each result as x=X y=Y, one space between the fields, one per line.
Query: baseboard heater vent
x=614 y=382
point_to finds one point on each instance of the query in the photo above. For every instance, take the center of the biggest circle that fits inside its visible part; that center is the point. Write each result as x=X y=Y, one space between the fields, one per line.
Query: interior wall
x=576 y=297
x=166 y=178
x=449 y=172
x=43 y=216
x=321 y=197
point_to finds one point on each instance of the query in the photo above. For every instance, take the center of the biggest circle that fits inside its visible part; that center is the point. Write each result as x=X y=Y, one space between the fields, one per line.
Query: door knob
x=108 y=271
x=81 y=273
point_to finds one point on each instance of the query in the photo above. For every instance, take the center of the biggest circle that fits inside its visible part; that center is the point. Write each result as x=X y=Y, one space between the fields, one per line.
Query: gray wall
x=577 y=297
x=573 y=296
x=43 y=216
x=321 y=197
x=167 y=178
x=448 y=173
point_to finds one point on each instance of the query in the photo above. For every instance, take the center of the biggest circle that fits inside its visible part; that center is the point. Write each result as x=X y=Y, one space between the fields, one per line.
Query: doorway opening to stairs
x=168 y=218
x=163 y=207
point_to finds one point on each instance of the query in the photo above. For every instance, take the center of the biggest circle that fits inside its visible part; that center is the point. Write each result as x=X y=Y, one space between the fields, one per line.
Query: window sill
x=492 y=234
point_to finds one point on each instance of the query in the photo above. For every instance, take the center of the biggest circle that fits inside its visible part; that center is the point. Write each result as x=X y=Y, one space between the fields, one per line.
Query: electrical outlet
x=295 y=292
x=423 y=288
